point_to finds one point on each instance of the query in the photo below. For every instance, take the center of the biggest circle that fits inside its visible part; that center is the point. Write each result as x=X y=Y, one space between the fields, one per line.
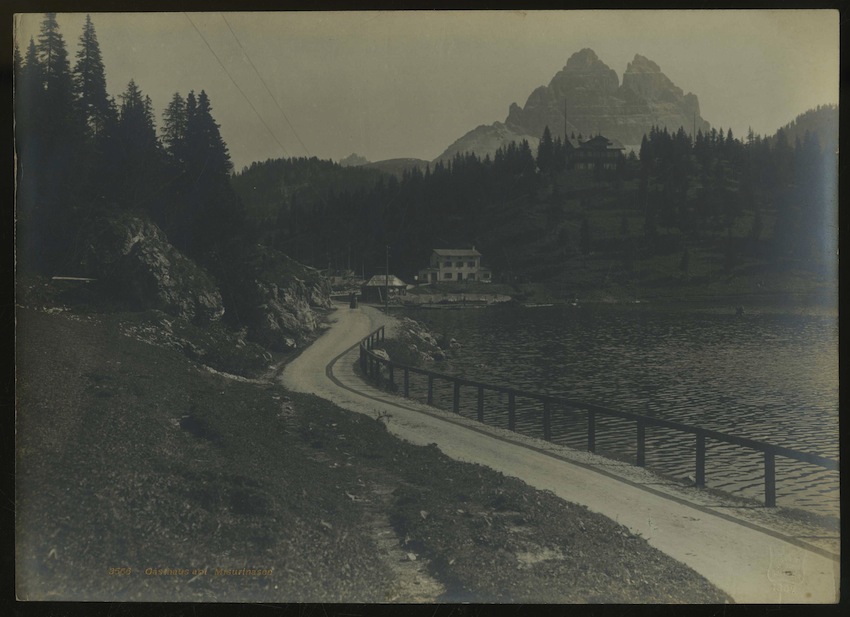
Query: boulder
x=276 y=298
x=133 y=258
x=381 y=353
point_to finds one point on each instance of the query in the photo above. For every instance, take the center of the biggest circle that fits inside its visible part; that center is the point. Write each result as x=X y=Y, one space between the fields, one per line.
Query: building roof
x=600 y=142
x=457 y=252
x=380 y=280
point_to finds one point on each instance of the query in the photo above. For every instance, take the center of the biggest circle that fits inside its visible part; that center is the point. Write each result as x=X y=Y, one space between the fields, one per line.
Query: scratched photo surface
x=427 y=307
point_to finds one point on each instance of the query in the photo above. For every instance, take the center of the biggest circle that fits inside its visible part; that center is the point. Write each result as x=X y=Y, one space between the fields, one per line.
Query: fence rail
x=371 y=363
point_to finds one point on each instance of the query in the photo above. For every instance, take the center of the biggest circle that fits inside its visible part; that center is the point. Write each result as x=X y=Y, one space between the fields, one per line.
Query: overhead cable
x=265 y=85
x=212 y=51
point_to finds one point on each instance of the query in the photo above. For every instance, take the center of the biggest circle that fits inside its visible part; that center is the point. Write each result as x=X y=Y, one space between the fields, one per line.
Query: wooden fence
x=370 y=365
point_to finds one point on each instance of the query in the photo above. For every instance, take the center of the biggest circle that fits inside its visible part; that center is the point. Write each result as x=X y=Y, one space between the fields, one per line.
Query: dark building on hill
x=595 y=153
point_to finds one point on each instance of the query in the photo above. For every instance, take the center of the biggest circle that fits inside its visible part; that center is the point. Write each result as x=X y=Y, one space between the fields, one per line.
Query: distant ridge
x=821 y=121
x=396 y=167
x=353 y=160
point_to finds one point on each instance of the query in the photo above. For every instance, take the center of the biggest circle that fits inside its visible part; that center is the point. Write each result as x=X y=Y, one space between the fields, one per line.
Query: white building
x=454 y=265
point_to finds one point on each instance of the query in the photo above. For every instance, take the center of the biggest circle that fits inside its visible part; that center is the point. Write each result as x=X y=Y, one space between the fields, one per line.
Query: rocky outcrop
x=133 y=258
x=276 y=298
x=595 y=103
x=419 y=341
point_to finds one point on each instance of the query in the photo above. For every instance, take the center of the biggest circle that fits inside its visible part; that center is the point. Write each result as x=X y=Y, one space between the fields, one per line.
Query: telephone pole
x=566 y=149
x=387 y=282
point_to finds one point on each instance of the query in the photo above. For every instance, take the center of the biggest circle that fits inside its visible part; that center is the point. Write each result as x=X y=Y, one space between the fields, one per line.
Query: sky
x=386 y=84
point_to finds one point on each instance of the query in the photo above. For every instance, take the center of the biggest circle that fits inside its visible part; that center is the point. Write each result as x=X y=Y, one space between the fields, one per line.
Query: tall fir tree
x=135 y=158
x=207 y=150
x=51 y=200
x=90 y=82
x=546 y=152
x=58 y=96
x=209 y=212
x=28 y=89
x=174 y=127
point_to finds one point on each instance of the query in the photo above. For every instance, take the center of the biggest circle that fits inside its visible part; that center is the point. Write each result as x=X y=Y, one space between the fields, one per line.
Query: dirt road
x=753 y=554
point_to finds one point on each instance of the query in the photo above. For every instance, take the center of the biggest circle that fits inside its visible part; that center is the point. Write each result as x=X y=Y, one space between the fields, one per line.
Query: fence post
x=456 y=398
x=406 y=383
x=511 y=411
x=769 y=479
x=481 y=404
x=547 y=420
x=430 y=389
x=362 y=359
x=700 y=472
x=641 y=443
x=591 y=430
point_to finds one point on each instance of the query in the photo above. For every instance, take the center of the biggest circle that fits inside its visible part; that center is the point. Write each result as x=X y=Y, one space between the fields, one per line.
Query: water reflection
x=764 y=376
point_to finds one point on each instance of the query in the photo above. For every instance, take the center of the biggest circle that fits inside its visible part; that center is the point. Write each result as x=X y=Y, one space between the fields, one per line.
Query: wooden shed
x=375 y=289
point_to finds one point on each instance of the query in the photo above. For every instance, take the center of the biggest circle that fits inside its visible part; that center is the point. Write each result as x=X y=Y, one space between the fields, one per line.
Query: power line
x=263 y=81
x=203 y=38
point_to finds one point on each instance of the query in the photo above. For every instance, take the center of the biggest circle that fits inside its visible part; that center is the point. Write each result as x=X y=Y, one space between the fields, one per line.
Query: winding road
x=753 y=554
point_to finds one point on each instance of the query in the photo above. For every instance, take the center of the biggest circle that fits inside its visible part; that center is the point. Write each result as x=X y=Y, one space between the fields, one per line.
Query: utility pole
x=566 y=150
x=387 y=282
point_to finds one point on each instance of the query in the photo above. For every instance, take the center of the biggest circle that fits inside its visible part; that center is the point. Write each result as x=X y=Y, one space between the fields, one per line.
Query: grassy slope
x=131 y=455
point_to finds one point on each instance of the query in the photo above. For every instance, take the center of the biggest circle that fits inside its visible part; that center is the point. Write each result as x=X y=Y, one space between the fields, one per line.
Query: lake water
x=767 y=376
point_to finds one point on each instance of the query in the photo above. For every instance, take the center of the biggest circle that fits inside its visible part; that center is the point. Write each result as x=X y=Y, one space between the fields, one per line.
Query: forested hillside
x=686 y=212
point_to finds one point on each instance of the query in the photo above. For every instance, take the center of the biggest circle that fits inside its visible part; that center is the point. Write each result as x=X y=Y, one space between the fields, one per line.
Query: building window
x=459 y=264
x=447 y=264
x=447 y=275
x=471 y=276
x=470 y=264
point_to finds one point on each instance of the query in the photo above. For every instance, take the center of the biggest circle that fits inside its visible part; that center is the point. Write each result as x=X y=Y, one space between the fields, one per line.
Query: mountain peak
x=586 y=97
x=642 y=64
x=582 y=59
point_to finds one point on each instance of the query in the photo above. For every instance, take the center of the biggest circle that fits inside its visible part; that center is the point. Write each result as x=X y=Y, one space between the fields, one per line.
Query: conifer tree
x=50 y=196
x=210 y=211
x=90 y=82
x=58 y=98
x=134 y=160
x=174 y=129
x=545 y=152
x=17 y=60
x=28 y=87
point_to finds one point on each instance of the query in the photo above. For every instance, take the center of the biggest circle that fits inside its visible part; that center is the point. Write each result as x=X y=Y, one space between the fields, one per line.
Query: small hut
x=376 y=288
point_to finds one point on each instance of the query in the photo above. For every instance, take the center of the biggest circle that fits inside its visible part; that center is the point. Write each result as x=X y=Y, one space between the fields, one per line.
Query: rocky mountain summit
x=353 y=160
x=595 y=102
